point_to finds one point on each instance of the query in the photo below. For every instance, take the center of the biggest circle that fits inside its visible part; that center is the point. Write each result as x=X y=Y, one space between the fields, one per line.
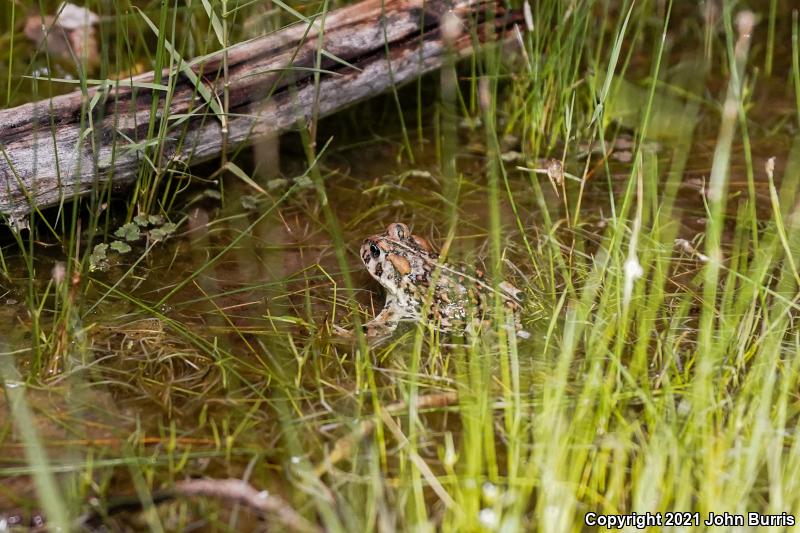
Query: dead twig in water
x=229 y=490
x=343 y=448
x=241 y=492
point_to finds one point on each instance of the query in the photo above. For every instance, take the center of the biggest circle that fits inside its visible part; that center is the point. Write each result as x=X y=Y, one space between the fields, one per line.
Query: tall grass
x=661 y=370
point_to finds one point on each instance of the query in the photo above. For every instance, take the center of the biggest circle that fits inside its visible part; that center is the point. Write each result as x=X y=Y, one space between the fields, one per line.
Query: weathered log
x=49 y=152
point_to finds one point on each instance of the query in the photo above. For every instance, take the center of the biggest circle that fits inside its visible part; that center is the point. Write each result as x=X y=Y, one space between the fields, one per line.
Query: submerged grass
x=661 y=370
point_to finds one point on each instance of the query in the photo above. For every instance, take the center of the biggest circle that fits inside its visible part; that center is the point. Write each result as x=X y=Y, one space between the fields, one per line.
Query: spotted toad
x=421 y=288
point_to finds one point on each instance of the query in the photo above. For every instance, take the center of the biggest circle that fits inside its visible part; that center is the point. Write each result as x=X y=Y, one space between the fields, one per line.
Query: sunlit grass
x=662 y=366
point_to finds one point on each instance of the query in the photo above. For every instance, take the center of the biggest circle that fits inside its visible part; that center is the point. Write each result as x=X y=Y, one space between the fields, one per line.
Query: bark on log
x=49 y=153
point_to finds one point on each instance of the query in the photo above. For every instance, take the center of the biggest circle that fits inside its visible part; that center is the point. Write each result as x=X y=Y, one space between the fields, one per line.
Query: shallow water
x=195 y=368
x=211 y=353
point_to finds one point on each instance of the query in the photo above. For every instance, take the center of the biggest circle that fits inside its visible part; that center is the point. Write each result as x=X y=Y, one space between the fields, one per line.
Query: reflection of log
x=47 y=154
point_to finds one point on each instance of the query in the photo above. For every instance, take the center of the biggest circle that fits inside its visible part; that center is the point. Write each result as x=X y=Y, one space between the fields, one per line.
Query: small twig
x=343 y=448
x=236 y=490
x=419 y=462
x=231 y=490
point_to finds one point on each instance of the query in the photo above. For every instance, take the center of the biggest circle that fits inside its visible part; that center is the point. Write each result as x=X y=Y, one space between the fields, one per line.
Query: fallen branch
x=48 y=152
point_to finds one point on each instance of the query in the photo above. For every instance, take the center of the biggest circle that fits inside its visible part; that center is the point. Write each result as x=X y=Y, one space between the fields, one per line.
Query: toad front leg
x=386 y=321
x=382 y=325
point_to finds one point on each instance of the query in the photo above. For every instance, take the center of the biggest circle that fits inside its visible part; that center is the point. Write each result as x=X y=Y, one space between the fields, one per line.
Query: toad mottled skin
x=421 y=288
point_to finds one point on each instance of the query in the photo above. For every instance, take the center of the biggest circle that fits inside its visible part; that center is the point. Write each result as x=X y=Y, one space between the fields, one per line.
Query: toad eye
x=374 y=250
